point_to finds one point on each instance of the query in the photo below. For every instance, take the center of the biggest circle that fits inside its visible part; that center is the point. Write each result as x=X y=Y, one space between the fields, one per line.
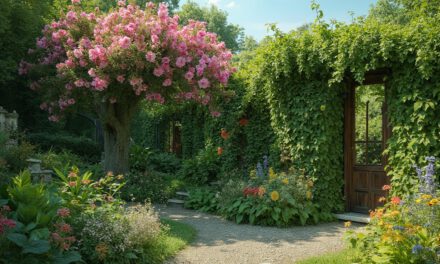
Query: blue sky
x=252 y=15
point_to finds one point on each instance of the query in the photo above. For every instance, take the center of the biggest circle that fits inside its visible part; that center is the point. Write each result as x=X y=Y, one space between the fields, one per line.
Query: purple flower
x=427 y=182
x=260 y=172
x=416 y=249
x=401 y=228
x=265 y=163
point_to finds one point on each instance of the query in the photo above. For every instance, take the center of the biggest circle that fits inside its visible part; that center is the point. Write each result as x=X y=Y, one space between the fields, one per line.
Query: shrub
x=203 y=168
x=203 y=199
x=142 y=159
x=82 y=146
x=405 y=230
x=13 y=158
x=150 y=185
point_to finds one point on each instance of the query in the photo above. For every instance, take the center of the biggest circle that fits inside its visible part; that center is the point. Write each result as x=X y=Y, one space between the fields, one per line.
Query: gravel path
x=221 y=241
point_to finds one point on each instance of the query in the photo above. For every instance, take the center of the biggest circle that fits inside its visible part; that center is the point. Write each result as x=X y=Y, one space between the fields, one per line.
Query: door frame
x=372 y=77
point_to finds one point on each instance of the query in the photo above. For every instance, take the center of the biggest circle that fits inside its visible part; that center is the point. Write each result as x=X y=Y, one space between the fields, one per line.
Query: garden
x=127 y=106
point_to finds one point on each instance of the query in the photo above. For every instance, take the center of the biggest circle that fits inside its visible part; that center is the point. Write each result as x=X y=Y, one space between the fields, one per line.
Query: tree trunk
x=116 y=120
x=116 y=149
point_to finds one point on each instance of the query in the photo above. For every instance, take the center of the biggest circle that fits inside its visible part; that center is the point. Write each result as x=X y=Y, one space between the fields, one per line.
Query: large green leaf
x=67 y=258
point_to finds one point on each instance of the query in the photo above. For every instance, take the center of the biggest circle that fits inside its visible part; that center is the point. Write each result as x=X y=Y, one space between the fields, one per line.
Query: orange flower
x=261 y=191
x=72 y=183
x=382 y=199
x=386 y=187
x=395 y=200
x=219 y=151
x=224 y=134
x=347 y=224
x=86 y=181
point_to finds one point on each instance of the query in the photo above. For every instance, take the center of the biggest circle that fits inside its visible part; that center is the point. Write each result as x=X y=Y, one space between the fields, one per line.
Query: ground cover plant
x=406 y=229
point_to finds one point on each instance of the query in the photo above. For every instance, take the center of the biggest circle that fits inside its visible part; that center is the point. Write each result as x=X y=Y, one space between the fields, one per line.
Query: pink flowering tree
x=111 y=62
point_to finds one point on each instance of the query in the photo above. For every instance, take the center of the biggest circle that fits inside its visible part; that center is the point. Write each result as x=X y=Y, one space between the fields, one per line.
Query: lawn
x=341 y=257
x=176 y=238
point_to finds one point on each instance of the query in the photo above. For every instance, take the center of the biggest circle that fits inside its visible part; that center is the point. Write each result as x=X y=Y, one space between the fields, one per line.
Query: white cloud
x=231 y=4
x=214 y=2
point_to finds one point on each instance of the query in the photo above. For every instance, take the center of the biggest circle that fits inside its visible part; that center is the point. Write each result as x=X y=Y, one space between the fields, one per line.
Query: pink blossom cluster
x=129 y=52
x=5 y=223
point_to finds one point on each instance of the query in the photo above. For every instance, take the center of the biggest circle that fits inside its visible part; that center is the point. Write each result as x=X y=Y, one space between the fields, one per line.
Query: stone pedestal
x=39 y=175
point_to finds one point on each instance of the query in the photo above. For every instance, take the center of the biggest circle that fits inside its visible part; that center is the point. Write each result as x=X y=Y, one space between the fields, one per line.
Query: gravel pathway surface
x=221 y=241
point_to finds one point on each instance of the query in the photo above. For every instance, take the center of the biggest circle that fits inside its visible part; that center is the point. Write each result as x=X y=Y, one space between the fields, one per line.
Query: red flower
x=63 y=212
x=386 y=187
x=395 y=200
x=219 y=151
x=243 y=122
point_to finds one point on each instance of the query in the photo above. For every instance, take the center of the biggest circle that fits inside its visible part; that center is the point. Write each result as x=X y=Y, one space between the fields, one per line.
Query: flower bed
x=405 y=230
x=76 y=219
x=267 y=198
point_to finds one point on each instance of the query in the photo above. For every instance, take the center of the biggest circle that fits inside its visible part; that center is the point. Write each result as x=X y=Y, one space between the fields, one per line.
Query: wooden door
x=366 y=132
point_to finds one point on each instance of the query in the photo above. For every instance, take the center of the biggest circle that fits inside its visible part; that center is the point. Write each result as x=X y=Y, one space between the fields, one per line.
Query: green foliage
x=84 y=147
x=34 y=211
x=150 y=185
x=82 y=193
x=13 y=157
x=203 y=168
x=33 y=203
x=142 y=159
x=203 y=199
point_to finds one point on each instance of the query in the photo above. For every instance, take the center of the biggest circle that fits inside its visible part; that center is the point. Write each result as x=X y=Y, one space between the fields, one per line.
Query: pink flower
x=72 y=183
x=63 y=212
x=120 y=78
x=92 y=72
x=204 y=83
x=79 y=83
x=189 y=75
x=180 y=62
x=99 y=84
x=121 y=3
x=162 y=12
x=158 y=71
x=71 y=101
x=150 y=56
x=167 y=82
x=54 y=118
x=165 y=60
x=125 y=42
x=215 y=114
x=76 y=1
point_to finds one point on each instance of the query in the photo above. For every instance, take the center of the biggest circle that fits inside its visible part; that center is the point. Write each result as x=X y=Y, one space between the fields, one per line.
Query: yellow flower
x=426 y=196
x=253 y=174
x=102 y=250
x=398 y=238
x=418 y=200
x=433 y=202
x=309 y=195
x=347 y=224
x=382 y=199
x=272 y=174
x=395 y=213
x=274 y=196
x=286 y=181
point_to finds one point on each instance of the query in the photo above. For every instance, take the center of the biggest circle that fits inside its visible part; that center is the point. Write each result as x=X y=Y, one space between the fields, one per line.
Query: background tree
x=216 y=21
x=110 y=62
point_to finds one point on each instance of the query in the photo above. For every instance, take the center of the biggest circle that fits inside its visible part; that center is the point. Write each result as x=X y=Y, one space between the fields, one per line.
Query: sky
x=253 y=15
